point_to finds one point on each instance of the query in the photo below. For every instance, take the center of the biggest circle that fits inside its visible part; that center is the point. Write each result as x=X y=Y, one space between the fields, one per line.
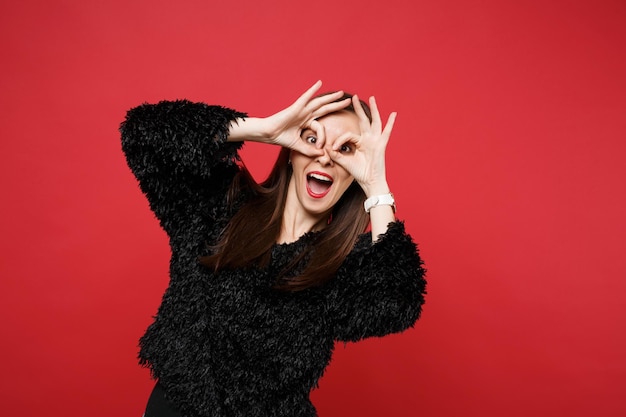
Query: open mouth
x=318 y=184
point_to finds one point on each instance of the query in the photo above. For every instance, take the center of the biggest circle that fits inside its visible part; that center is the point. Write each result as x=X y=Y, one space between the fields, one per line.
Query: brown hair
x=252 y=232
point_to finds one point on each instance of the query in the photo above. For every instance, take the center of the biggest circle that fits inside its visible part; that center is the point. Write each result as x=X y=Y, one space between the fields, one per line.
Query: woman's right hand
x=284 y=128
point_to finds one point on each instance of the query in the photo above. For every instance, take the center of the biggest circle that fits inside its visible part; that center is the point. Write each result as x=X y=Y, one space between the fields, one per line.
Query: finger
x=335 y=156
x=308 y=150
x=364 y=121
x=320 y=133
x=386 y=133
x=343 y=139
x=304 y=146
x=339 y=158
x=389 y=126
x=324 y=99
x=331 y=108
x=376 y=121
x=308 y=94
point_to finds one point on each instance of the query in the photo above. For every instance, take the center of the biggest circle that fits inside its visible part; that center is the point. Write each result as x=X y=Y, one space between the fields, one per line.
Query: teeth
x=320 y=177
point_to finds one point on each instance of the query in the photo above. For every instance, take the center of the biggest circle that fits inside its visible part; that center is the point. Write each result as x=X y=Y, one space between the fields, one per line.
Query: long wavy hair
x=249 y=237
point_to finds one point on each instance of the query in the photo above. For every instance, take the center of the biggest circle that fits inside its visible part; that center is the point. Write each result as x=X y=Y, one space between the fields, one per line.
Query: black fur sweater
x=227 y=344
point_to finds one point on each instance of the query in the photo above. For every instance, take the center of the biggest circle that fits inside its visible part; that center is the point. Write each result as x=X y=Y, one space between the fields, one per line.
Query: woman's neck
x=296 y=221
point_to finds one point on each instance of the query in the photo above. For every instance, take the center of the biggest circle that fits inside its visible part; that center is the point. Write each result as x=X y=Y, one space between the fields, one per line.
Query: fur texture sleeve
x=379 y=289
x=178 y=152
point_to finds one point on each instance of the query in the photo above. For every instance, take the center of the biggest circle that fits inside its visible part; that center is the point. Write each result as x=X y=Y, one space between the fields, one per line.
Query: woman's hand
x=284 y=128
x=363 y=156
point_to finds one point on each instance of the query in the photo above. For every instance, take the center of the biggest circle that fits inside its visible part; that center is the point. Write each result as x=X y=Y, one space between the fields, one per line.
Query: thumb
x=308 y=150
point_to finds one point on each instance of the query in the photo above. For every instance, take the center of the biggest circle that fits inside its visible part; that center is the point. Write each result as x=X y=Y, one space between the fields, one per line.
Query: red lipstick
x=318 y=184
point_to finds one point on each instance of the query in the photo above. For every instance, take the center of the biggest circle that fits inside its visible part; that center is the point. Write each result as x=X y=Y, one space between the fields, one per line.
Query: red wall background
x=507 y=162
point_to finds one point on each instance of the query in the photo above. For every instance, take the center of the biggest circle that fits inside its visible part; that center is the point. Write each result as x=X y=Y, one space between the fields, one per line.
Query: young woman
x=266 y=277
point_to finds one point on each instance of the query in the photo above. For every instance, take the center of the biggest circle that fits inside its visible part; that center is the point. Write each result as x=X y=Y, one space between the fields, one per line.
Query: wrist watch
x=380 y=200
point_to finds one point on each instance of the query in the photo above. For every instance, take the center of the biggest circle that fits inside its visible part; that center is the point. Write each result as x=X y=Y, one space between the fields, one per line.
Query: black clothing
x=227 y=343
x=159 y=406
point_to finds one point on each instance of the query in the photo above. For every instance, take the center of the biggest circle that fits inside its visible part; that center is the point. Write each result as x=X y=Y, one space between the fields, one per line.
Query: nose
x=324 y=159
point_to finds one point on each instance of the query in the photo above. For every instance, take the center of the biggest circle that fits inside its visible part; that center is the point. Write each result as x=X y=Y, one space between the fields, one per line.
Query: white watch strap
x=380 y=200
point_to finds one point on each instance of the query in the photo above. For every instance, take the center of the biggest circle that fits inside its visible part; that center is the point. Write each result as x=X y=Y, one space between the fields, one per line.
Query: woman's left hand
x=363 y=156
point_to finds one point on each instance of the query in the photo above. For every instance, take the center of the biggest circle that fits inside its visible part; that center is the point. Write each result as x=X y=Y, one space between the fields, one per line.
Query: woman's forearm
x=248 y=128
